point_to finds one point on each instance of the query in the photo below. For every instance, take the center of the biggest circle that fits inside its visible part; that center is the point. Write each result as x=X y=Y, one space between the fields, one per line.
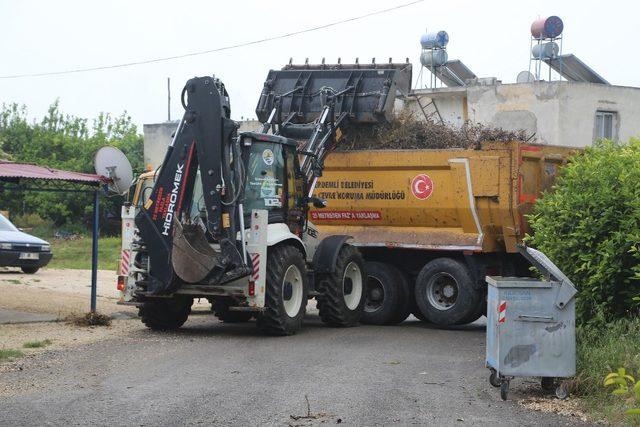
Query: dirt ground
x=67 y=292
x=63 y=293
x=59 y=292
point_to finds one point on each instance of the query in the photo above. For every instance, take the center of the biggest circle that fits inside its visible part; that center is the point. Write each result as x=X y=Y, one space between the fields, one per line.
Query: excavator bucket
x=192 y=257
x=297 y=94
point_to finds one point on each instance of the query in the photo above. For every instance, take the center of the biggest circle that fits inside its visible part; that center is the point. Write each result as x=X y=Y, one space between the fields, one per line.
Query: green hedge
x=589 y=225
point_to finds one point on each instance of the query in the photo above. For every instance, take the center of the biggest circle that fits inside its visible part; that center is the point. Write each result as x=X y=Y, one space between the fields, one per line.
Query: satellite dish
x=112 y=163
x=525 y=77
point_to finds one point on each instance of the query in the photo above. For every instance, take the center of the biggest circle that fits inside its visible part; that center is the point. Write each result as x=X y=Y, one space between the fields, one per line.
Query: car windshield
x=5 y=225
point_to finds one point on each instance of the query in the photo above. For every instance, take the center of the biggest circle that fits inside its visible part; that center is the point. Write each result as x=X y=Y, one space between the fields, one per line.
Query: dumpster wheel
x=494 y=379
x=562 y=391
x=504 y=389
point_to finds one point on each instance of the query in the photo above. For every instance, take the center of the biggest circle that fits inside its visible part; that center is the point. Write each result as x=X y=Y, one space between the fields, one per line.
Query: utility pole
x=168 y=99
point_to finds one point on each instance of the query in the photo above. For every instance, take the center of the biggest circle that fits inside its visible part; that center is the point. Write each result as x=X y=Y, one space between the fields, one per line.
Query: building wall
x=158 y=136
x=558 y=113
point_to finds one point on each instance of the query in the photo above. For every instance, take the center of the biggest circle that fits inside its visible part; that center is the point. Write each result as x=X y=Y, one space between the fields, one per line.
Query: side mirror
x=317 y=202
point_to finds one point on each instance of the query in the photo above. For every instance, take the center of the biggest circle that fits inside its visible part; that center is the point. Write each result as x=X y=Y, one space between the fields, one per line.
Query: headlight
x=7 y=246
x=45 y=248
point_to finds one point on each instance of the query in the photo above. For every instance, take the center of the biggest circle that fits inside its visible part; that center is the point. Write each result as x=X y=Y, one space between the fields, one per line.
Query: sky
x=490 y=37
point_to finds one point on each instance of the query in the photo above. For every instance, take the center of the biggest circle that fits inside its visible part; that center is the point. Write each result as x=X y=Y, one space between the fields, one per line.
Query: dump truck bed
x=455 y=199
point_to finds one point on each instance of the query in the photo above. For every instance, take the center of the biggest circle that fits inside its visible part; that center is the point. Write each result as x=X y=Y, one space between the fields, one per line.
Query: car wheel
x=30 y=270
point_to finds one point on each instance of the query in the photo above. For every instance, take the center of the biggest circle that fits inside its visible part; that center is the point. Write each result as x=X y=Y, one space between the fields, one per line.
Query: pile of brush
x=408 y=132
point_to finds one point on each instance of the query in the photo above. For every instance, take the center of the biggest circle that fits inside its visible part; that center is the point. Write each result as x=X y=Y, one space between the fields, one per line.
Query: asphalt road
x=214 y=373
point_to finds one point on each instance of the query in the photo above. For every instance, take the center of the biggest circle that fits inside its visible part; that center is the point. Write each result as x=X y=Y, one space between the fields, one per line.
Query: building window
x=605 y=125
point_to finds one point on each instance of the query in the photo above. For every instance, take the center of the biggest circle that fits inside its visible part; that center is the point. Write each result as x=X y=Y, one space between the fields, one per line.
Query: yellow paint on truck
x=444 y=199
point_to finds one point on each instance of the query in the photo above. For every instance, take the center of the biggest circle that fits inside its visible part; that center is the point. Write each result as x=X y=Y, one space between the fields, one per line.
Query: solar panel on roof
x=454 y=73
x=573 y=69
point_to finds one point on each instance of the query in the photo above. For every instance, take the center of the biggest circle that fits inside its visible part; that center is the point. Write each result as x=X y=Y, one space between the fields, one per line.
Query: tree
x=589 y=225
x=63 y=141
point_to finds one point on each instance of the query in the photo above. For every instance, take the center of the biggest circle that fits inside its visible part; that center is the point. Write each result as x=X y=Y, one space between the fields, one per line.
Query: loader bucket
x=192 y=257
x=365 y=92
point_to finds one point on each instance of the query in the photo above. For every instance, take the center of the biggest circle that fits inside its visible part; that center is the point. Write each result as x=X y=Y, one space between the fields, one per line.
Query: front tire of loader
x=286 y=292
x=165 y=314
x=445 y=293
x=341 y=295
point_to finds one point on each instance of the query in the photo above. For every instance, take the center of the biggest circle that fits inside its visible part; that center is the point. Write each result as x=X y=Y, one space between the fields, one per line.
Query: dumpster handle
x=531 y=318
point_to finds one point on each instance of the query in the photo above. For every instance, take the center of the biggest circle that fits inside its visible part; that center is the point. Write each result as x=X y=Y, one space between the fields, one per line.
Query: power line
x=219 y=49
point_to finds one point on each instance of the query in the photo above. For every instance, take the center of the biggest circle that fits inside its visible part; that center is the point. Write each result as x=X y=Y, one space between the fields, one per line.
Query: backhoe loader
x=228 y=216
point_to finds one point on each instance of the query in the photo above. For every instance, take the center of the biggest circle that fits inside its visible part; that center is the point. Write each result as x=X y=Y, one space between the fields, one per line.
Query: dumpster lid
x=552 y=272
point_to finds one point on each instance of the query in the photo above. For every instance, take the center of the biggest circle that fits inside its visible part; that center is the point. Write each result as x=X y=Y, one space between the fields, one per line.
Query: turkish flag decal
x=422 y=186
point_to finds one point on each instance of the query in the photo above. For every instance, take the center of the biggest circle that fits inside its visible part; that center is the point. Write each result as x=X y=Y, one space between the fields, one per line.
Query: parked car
x=19 y=249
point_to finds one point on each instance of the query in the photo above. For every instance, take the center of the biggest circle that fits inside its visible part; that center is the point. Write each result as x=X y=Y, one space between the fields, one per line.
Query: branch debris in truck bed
x=406 y=131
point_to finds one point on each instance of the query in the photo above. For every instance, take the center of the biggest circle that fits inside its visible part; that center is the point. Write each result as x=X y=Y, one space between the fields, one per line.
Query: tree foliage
x=62 y=141
x=589 y=225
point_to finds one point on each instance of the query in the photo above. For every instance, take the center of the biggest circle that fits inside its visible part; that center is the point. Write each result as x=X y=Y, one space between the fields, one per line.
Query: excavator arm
x=202 y=142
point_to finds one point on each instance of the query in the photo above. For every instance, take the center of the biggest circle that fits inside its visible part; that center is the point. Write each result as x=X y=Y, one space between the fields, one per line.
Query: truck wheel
x=286 y=292
x=476 y=314
x=387 y=297
x=341 y=294
x=165 y=314
x=413 y=305
x=221 y=310
x=29 y=270
x=445 y=293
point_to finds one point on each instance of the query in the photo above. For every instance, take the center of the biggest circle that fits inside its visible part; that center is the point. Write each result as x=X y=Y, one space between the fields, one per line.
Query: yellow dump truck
x=433 y=223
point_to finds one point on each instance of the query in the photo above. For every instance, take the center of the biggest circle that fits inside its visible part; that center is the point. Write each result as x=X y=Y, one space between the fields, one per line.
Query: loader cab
x=273 y=181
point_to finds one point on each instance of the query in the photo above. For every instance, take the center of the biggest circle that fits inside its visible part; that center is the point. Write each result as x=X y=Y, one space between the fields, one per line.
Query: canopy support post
x=94 y=251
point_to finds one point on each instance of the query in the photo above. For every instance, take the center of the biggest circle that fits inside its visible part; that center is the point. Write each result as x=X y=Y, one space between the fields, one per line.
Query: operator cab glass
x=271 y=180
x=265 y=176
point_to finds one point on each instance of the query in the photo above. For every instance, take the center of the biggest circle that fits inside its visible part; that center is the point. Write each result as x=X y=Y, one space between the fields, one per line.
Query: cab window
x=265 y=177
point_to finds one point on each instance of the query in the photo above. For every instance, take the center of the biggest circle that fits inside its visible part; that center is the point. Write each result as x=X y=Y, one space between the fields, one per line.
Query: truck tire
x=341 y=294
x=473 y=316
x=29 y=270
x=165 y=314
x=445 y=294
x=387 y=297
x=286 y=292
x=221 y=310
x=413 y=305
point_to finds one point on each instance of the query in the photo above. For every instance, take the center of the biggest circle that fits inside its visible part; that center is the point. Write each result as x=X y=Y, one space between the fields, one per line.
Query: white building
x=555 y=112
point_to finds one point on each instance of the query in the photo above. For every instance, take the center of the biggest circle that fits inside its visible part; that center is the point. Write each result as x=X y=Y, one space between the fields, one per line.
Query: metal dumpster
x=531 y=326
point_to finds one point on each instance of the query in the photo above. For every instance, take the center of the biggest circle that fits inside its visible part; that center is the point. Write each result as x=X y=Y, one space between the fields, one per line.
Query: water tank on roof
x=547 y=28
x=434 y=58
x=545 y=50
x=435 y=40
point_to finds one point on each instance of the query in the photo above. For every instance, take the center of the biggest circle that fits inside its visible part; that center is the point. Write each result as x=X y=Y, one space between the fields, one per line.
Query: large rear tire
x=221 y=310
x=387 y=295
x=341 y=294
x=286 y=292
x=445 y=293
x=165 y=314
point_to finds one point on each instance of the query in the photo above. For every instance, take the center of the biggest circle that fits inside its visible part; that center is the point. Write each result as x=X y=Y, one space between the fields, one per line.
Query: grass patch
x=89 y=319
x=601 y=350
x=76 y=254
x=13 y=281
x=9 y=354
x=36 y=344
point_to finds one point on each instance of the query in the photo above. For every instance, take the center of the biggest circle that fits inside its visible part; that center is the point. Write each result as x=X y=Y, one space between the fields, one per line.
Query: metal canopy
x=14 y=172
x=574 y=70
x=19 y=174
x=454 y=73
